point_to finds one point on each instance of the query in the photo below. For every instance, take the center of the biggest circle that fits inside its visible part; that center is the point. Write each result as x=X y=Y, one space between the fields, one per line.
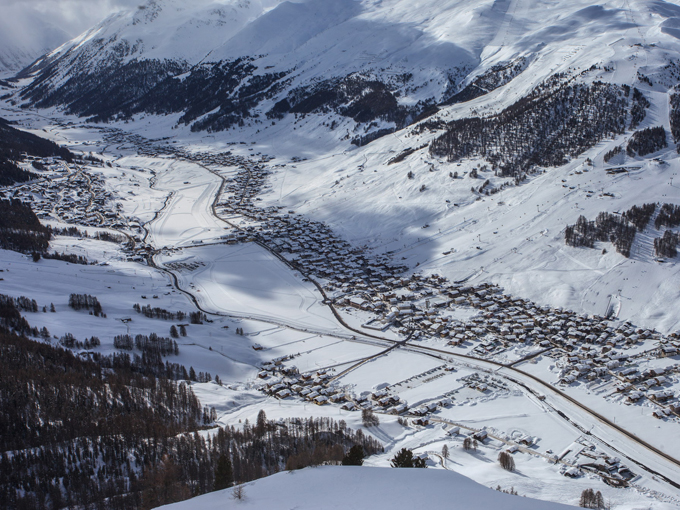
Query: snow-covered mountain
x=504 y=116
x=25 y=36
x=384 y=64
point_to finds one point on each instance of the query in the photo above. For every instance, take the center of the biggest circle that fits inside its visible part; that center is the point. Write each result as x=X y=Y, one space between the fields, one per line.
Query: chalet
x=274 y=387
x=423 y=421
x=661 y=413
x=661 y=396
x=420 y=411
x=573 y=472
x=527 y=440
x=634 y=396
x=377 y=395
x=668 y=350
x=480 y=436
x=656 y=381
x=284 y=393
x=399 y=409
x=388 y=401
x=358 y=302
x=630 y=374
x=320 y=400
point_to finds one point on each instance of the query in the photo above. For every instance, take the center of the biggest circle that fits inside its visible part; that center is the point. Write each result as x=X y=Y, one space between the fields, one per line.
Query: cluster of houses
x=611 y=469
x=423 y=306
x=484 y=383
x=284 y=382
x=587 y=347
x=70 y=195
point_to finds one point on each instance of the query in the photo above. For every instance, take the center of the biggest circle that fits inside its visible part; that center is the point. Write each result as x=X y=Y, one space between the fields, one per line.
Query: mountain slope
x=366 y=488
x=509 y=120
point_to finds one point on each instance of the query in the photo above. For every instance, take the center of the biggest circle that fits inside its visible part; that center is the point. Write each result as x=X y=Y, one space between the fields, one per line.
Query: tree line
x=86 y=302
x=152 y=343
x=158 y=313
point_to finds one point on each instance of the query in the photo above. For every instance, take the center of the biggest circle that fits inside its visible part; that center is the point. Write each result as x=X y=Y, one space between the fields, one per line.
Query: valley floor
x=276 y=328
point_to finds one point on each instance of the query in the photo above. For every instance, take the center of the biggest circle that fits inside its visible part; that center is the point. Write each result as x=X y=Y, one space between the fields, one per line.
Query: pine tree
x=355 y=456
x=261 y=423
x=223 y=473
x=403 y=459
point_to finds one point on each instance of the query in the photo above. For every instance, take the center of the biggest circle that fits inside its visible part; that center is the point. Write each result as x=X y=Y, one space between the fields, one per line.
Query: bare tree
x=506 y=461
x=369 y=418
x=591 y=499
x=239 y=492
x=445 y=452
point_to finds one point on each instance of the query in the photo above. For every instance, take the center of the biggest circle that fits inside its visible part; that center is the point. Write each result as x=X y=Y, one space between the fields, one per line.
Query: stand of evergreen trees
x=620 y=230
x=674 y=117
x=666 y=245
x=606 y=227
x=20 y=228
x=79 y=433
x=14 y=144
x=148 y=344
x=159 y=313
x=85 y=301
x=72 y=231
x=647 y=141
x=609 y=155
x=669 y=216
x=67 y=257
x=10 y=315
x=556 y=121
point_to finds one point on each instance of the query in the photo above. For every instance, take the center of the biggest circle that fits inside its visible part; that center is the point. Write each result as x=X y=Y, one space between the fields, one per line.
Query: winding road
x=563 y=404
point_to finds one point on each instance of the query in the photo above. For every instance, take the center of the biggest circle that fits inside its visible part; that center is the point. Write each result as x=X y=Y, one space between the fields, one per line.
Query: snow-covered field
x=364 y=488
x=243 y=286
x=432 y=223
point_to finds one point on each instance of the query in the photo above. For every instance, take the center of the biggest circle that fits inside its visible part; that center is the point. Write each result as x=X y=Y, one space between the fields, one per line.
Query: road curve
x=434 y=351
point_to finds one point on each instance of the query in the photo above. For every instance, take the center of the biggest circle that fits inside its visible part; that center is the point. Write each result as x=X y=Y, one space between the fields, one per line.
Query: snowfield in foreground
x=366 y=488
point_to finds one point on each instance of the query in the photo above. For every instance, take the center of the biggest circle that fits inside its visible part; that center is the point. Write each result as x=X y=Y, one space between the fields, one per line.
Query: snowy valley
x=448 y=227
